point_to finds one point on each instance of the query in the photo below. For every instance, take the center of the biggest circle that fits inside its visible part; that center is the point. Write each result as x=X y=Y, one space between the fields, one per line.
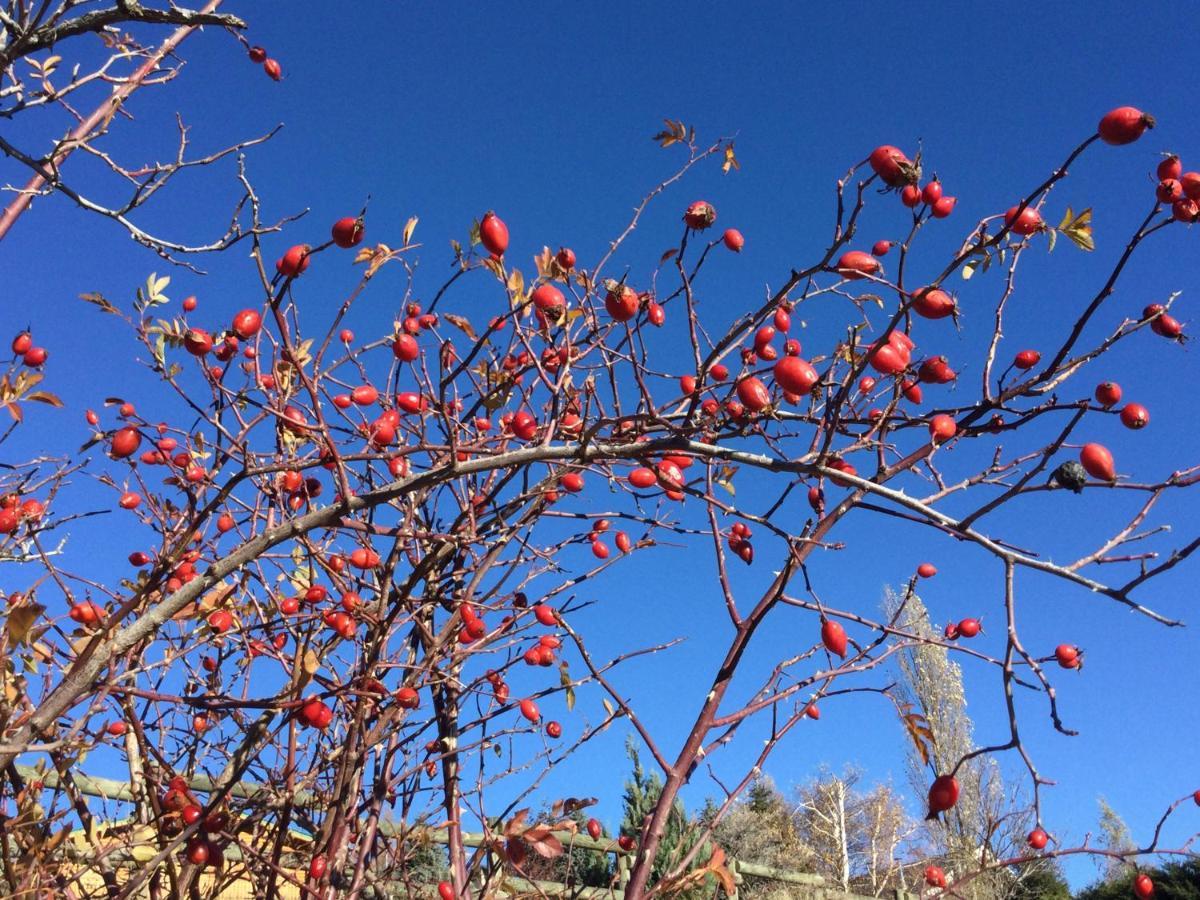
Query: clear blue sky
x=543 y=112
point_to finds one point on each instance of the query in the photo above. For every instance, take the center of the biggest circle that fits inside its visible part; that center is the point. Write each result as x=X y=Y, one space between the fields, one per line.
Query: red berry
x=1098 y=462
x=493 y=234
x=754 y=394
x=1135 y=416
x=548 y=299
x=1108 y=393
x=1068 y=656
x=189 y=304
x=1027 y=359
x=247 y=324
x=700 y=215
x=125 y=443
x=1190 y=182
x=317 y=868
x=316 y=714
x=812 y=711
x=926 y=570
x=116 y=729
x=594 y=830
x=408 y=698
x=944 y=207
x=405 y=348
x=1186 y=210
x=910 y=196
x=936 y=370
x=1169 y=190
x=968 y=628
x=856 y=264
x=565 y=259
x=348 y=232
x=530 y=711
x=795 y=375
x=294 y=261
x=892 y=166
x=197 y=851
x=833 y=636
x=1028 y=221
x=1143 y=887
x=22 y=343
x=130 y=500
x=733 y=240
x=524 y=425
x=934 y=876
x=1124 y=125
x=1170 y=167
x=1038 y=838
x=621 y=301
x=197 y=341
x=258 y=55
x=932 y=303
x=887 y=360
x=273 y=69
x=881 y=248
x=446 y=890
x=942 y=427
x=943 y=794
x=553 y=729
x=931 y=193
x=364 y=395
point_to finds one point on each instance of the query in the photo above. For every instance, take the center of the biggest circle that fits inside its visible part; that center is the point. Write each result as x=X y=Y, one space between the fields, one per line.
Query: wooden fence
x=796 y=885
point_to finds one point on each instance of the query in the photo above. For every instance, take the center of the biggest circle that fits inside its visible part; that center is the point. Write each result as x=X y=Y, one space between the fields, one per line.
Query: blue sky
x=544 y=112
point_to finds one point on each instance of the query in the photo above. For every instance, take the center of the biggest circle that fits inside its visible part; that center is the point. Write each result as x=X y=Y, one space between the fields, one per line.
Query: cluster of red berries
x=596 y=536
x=14 y=512
x=667 y=474
x=739 y=542
x=180 y=810
x=22 y=346
x=1178 y=188
x=967 y=628
x=896 y=170
x=270 y=66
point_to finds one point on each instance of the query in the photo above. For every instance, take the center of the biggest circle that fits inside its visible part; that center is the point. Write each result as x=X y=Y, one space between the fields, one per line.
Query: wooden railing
x=808 y=886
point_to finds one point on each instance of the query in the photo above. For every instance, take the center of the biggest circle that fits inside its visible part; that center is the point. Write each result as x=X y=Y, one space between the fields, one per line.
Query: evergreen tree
x=680 y=834
x=1174 y=881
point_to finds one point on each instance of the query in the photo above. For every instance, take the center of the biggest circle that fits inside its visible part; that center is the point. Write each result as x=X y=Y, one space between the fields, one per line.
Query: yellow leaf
x=409 y=227
x=461 y=323
x=730 y=160
x=21 y=619
x=516 y=283
x=311 y=663
x=214 y=598
x=1078 y=228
